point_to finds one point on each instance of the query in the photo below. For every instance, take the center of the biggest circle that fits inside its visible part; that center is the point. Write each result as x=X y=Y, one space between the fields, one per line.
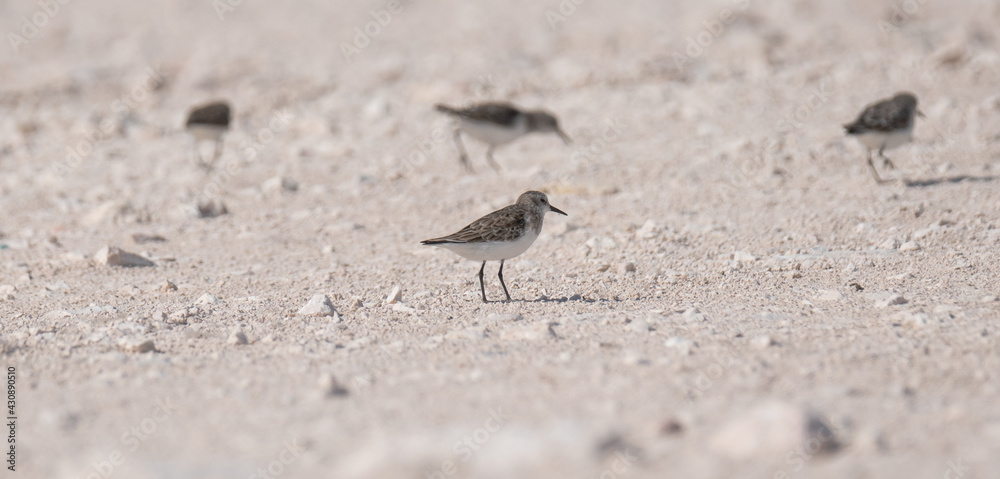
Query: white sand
x=727 y=183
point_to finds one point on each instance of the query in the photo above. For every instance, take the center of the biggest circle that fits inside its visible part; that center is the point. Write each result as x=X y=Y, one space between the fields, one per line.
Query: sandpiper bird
x=498 y=124
x=885 y=124
x=500 y=235
x=208 y=123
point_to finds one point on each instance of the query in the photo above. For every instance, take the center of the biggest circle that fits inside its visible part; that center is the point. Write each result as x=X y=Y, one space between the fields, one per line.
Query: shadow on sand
x=575 y=298
x=950 y=179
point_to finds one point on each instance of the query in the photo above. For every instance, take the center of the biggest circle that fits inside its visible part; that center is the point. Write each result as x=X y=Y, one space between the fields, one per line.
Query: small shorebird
x=885 y=124
x=498 y=124
x=500 y=235
x=209 y=123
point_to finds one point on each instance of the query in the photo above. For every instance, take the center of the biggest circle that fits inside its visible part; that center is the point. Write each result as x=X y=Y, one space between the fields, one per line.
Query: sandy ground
x=730 y=296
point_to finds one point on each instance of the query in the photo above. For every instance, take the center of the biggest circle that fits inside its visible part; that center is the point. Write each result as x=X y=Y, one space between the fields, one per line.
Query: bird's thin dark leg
x=872 y=167
x=198 y=159
x=489 y=157
x=217 y=153
x=482 y=287
x=886 y=162
x=463 y=157
x=207 y=165
x=500 y=275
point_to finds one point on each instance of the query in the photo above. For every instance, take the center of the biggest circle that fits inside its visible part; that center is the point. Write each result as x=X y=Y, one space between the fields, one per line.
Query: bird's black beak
x=565 y=138
x=557 y=210
x=921 y=114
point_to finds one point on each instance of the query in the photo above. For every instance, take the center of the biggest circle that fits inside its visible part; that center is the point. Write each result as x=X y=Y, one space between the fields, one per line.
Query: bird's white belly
x=206 y=132
x=492 y=251
x=493 y=134
x=878 y=140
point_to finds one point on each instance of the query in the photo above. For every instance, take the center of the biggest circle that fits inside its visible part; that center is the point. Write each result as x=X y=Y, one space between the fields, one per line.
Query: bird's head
x=908 y=101
x=545 y=122
x=538 y=201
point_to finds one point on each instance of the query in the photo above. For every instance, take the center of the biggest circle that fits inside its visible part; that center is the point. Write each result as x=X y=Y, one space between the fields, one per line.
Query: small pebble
x=830 y=295
x=377 y=107
x=891 y=243
x=909 y=246
x=648 y=230
x=179 y=317
x=671 y=427
x=870 y=441
x=949 y=309
x=402 y=308
x=692 y=315
x=891 y=300
x=681 y=345
x=129 y=290
x=601 y=242
x=136 y=346
x=504 y=317
x=75 y=257
x=639 y=325
x=211 y=209
x=112 y=256
x=357 y=304
x=142 y=238
x=395 y=296
x=319 y=305
x=628 y=268
x=279 y=184
x=914 y=320
x=237 y=338
x=329 y=386
x=207 y=299
x=762 y=342
x=167 y=286
x=773 y=429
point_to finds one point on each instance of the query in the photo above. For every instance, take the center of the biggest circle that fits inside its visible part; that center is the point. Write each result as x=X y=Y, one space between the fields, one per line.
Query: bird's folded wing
x=885 y=117
x=498 y=113
x=506 y=224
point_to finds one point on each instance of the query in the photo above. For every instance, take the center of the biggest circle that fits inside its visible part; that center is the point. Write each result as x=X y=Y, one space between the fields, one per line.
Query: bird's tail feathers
x=437 y=241
x=445 y=109
x=853 y=129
